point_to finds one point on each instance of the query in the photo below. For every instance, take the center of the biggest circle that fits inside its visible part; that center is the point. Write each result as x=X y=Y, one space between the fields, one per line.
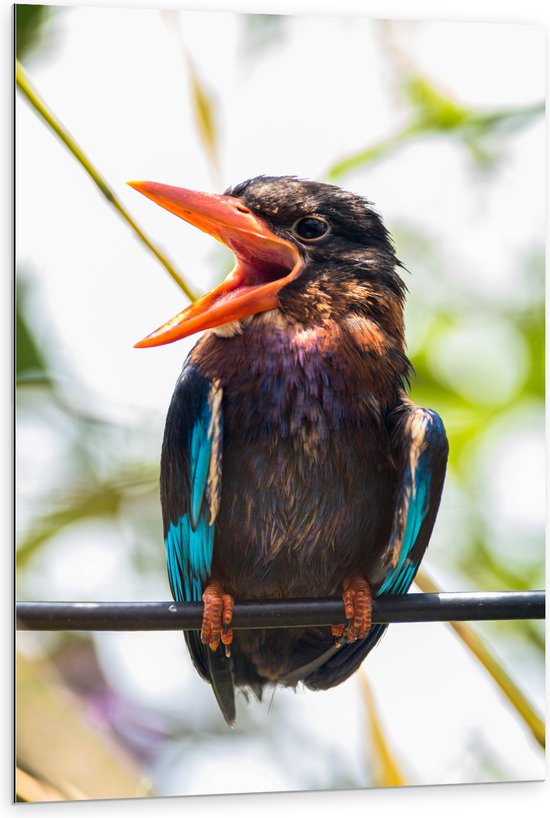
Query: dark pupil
x=310 y=228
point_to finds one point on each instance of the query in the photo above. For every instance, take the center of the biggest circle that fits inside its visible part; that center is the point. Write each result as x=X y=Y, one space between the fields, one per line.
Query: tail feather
x=221 y=679
x=341 y=663
x=216 y=668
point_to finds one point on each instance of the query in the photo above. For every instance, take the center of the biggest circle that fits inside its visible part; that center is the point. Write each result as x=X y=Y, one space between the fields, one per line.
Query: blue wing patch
x=426 y=434
x=190 y=538
x=189 y=557
x=399 y=578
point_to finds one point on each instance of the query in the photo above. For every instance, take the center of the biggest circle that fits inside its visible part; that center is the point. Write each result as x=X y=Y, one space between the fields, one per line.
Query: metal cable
x=280 y=613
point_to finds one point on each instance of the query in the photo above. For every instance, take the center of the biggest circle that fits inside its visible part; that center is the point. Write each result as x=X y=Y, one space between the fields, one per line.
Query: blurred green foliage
x=434 y=113
x=29 y=361
x=107 y=482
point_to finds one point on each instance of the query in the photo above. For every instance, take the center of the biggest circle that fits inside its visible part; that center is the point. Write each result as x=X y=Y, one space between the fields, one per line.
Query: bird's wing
x=420 y=452
x=190 y=487
x=190 y=479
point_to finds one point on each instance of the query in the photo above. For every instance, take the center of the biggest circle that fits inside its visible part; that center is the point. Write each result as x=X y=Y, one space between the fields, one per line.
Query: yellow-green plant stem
x=386 y=770
x=478 y=647
x=26 y=87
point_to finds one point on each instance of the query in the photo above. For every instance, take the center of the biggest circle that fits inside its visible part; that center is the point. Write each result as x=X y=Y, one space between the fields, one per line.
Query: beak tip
x=152 y=340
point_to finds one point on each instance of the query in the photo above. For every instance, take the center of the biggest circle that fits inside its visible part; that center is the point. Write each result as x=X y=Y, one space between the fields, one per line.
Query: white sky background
x=117 y=79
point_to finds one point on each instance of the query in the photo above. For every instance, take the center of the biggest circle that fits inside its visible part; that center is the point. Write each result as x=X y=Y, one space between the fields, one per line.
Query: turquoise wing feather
x=420 y=437
x=190 y=489
x=190 y=483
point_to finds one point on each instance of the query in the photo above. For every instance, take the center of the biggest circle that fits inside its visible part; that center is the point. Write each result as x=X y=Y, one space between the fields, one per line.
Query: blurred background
x=441 y=125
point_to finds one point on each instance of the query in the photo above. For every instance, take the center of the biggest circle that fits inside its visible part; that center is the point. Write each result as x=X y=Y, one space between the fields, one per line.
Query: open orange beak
x=264 y=261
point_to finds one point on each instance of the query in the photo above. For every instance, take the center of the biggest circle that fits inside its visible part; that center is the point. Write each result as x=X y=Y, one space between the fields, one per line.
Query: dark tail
x=221 y=678
x=216 y=668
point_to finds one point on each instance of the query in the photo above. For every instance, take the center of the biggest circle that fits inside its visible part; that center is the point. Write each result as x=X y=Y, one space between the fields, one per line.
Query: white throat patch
x=233 y=328
x=229 y=330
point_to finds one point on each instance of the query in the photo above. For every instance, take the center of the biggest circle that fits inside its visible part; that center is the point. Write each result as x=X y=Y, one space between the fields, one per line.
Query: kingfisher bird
x=293 y=463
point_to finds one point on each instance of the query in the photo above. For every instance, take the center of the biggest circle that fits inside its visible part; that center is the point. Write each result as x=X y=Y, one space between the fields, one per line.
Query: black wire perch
x=280 y=613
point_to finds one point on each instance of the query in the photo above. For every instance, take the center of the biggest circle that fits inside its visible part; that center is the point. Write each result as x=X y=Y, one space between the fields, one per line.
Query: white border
x=448 y=801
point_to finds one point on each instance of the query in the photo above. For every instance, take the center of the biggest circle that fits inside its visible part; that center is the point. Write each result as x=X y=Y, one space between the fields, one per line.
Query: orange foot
x=357 y=598
x=217 y=616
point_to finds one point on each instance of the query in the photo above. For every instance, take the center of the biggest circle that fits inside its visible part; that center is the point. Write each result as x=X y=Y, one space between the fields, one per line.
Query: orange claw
x=217 y=616
x=357 y=599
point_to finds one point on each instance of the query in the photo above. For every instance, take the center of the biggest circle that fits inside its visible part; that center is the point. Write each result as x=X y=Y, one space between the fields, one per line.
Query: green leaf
x=30 y=23
x=434 y=112
x=203 y=107
x=371 y=154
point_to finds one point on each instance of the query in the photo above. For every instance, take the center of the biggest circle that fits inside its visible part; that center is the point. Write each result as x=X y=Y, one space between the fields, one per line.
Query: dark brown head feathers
x=351 y=268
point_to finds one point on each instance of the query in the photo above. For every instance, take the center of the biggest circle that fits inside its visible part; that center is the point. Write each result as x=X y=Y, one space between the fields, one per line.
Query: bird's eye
x=311 y=228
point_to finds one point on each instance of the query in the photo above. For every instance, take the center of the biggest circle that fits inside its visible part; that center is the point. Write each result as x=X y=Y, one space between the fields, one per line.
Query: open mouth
x=265 y=262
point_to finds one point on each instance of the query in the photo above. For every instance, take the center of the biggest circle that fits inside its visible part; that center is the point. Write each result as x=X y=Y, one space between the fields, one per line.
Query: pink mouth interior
x=258 y=263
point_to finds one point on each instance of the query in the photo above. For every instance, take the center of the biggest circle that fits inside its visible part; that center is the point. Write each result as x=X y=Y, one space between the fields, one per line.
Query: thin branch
x=280 y=613
x=26 y=87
